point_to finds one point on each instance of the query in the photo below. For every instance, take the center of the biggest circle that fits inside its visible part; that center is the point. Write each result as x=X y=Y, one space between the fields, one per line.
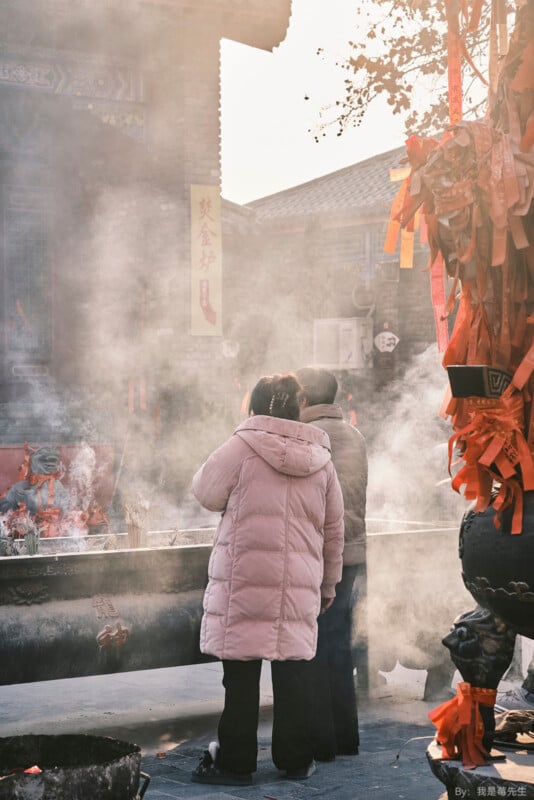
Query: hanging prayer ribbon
x=454 y=62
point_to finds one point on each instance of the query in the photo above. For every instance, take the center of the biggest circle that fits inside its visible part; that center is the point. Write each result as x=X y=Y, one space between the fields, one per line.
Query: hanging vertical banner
x=206 y=261
x=454 y=61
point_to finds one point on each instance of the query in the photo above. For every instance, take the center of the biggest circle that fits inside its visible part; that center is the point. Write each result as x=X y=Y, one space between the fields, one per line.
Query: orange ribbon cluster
x=495 y=438
x=474 y=189
x=47 y=520
x=47 y=516
x=456 y=11
x=468 y=189
x=460 y=729
x=494 y=452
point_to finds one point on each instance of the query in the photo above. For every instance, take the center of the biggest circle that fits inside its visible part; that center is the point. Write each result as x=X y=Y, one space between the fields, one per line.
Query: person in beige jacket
x=335 y=712
x=275 y=563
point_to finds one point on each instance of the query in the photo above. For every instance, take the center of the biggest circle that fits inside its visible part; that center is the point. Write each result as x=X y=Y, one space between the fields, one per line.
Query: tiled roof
x=362 y=188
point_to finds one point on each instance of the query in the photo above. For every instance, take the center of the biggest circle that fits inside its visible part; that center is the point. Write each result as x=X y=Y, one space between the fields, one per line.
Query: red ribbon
x=460 y=726
x=454 y=62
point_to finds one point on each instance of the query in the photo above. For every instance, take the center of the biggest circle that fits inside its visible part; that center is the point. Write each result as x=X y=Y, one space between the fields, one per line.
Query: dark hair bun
x=286 y=383
x=285 y=397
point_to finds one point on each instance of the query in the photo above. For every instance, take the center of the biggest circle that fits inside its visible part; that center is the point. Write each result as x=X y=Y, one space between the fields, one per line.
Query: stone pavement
x=172 y=715
x=391 y=764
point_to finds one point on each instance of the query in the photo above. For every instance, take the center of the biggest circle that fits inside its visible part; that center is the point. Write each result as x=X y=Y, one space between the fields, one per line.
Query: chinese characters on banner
x=206 y=261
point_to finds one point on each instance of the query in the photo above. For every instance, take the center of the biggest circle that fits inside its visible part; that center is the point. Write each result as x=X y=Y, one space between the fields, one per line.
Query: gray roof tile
x=362 y=189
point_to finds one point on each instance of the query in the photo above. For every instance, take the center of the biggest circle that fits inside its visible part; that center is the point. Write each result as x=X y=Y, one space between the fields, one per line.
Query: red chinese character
x=207 y=258
x=206 y=235
x=205 y=208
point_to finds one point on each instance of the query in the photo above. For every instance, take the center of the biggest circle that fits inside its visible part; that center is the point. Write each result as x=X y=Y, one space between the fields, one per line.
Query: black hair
x=277 y=396
x=318 y=385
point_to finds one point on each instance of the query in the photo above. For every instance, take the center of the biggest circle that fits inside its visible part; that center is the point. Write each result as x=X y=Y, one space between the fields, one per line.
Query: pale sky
x=266 y=146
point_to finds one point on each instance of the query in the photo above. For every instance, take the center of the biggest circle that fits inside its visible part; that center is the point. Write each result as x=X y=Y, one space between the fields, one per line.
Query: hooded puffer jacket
x=278 y=547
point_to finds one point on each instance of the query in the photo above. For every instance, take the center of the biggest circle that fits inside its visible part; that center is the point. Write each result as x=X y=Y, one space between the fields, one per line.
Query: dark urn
x=498 y=566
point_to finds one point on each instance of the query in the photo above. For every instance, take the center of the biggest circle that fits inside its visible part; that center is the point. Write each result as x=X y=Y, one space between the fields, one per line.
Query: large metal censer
x=70 y=767
x=77 y=614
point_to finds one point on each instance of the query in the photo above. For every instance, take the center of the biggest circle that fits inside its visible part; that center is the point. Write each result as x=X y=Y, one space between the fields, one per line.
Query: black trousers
x=238 y=726
x=334 y=710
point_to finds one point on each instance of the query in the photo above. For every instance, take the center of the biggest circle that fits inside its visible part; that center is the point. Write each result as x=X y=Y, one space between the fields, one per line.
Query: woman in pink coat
x=276 y=559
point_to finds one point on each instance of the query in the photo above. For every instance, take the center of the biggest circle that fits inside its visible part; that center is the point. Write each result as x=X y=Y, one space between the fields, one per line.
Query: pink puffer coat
x=278 y=547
